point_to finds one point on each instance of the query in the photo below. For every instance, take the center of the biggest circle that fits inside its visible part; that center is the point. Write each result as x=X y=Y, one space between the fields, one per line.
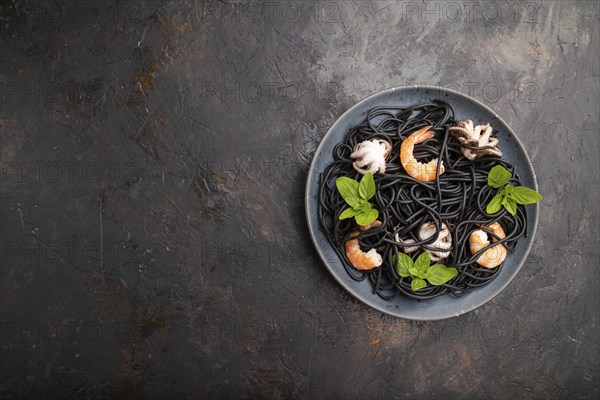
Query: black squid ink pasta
x=456 y=198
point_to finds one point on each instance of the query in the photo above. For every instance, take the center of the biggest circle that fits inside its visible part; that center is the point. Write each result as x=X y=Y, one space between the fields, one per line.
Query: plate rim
x=312 y=176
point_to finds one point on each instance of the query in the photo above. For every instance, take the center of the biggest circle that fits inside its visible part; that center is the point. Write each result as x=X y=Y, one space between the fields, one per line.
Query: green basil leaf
x=365 y=206
x=498 y=176
x=510 y=204
x=348 y=188
x=353 y=202
x=403 y=264
x=524 y=195
x=348 y=213
x=373 y=215
x=413 y=271
x=422 y=262
x=365 y=218
x=439 y=274
x=366 y=188
x=417 y=284
x=495 y=204
x=508 y=188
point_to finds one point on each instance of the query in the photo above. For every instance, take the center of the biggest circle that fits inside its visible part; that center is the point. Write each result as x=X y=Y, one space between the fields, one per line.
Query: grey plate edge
x=311 y=177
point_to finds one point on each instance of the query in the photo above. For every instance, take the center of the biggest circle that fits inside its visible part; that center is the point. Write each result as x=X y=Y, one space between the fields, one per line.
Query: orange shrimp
x=358 y=258
x=425 y=172
x=493 y=256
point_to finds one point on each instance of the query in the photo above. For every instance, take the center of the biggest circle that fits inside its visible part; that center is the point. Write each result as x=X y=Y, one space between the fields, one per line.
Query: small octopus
x=370 y=156
x=476 y=136
x=438 y=249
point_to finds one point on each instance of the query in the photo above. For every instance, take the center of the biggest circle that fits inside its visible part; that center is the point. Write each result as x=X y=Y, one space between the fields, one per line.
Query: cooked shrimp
x=493 y=256
x=358 y=258
x=425 y=172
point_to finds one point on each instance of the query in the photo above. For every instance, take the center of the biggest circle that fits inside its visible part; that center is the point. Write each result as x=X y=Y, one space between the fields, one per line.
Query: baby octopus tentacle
x=370 y=156
x=476 y=136
x=406 y=249
x=443 y=243
x=437 y=250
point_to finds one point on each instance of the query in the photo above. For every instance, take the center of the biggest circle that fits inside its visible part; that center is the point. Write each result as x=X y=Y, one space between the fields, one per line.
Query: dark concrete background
x=153 y=161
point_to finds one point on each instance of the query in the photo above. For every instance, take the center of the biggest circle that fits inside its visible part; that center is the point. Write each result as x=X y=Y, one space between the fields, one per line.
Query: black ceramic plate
x=465 y=107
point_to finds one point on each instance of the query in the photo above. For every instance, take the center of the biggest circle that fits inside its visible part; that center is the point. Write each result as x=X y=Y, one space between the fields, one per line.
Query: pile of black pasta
x=457 y=198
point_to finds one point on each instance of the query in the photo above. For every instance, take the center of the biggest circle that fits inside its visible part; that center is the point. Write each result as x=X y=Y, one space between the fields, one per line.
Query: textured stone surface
x=153 y=161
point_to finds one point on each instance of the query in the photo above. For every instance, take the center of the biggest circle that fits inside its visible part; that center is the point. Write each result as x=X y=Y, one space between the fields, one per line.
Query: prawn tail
x=422 y=135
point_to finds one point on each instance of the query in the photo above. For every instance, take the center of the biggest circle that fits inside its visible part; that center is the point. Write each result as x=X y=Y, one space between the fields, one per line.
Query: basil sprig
x=508 y=196
x=420 y=270
x=357 y=195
